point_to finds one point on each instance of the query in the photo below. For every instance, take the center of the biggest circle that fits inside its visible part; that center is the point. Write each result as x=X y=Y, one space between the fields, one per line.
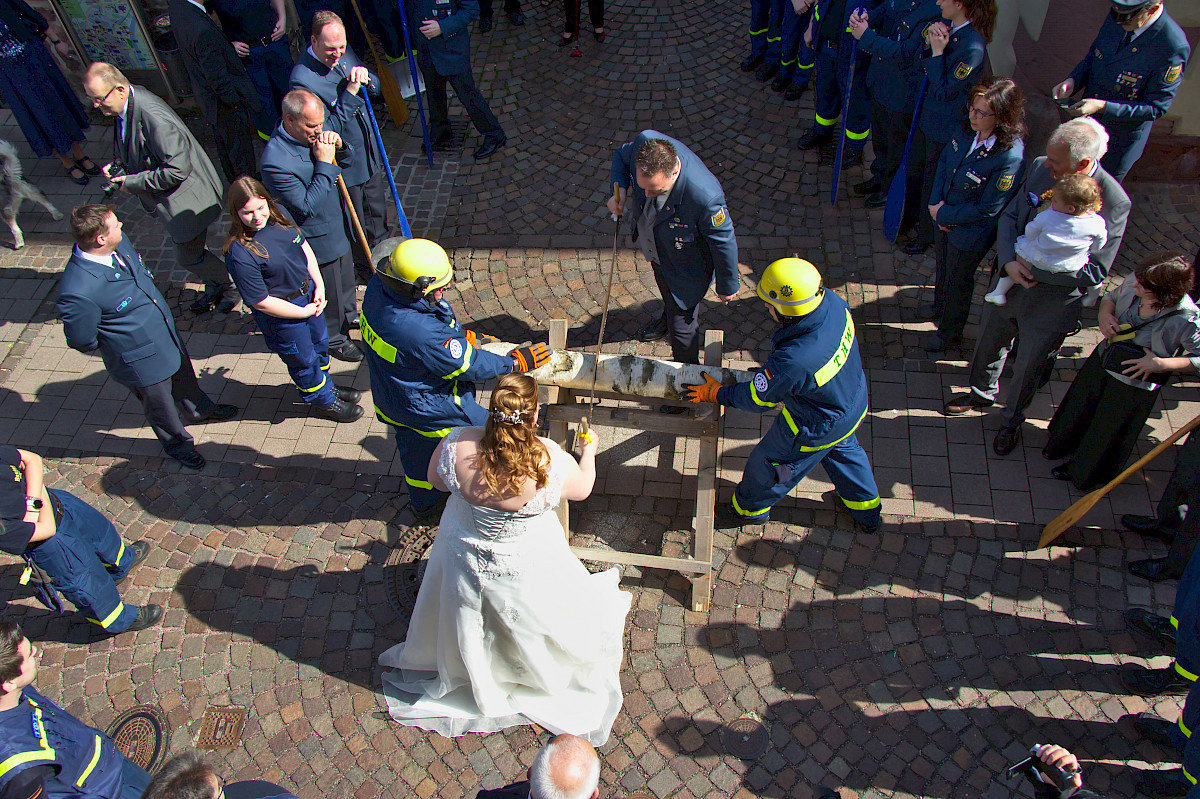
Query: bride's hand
x=588 y=442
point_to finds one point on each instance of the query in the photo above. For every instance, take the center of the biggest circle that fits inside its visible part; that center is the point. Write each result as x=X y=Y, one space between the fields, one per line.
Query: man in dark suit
x=168 y=171
x=443 y=45
x=108 y=303
x=680 y=219
x=1043 y=308
x=339 y=78
x=566 y=766
x=300 y=167
x=223 y=90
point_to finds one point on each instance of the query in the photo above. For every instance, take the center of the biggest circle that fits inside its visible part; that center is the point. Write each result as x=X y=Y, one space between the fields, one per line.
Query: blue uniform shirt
x=975 y=187
x=895 y=40
x=951 y=76
x=280 y=274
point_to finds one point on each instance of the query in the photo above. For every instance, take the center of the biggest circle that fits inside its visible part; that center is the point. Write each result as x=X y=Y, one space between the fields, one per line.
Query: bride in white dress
x=509 y=627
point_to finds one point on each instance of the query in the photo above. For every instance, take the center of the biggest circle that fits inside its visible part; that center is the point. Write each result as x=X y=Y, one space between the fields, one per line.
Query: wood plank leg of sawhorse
x=563 y=411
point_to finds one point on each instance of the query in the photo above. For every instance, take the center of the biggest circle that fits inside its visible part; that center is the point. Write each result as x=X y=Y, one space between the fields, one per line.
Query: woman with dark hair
x=977 y=174
x=31 y=84
x=957 y=49
x=277 y=275
x=1098 y=422
x=509 y=627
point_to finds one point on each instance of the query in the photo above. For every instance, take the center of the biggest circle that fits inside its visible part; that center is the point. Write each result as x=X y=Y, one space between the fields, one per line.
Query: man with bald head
x=300 y=167
x=566 y=768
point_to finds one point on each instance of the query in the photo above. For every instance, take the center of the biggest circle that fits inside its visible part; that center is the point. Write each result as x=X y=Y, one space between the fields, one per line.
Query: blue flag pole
x=837 y=164
x=412 y=68
x=404 y=228
x=898 y=190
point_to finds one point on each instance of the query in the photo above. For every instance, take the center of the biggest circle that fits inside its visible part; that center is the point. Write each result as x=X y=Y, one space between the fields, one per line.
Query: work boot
x=780 y=83
x=347 y=394
x=339 y=411
x=867 y=187
x=1164 y=783
x=727 y=517
x=766 y=72
x=1151 y=624
x=147 y=616
x=1153 y=682
x=750 y=63
x=140 y=550
x=793 y=92
x=1155 y=729
x=814 y=137
x=431 y=515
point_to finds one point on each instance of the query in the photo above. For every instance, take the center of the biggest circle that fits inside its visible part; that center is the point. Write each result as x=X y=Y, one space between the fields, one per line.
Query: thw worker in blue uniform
x=1129 y=77
x=45 y=752
x=277 y=275
x=815 y=377
x=423 y=364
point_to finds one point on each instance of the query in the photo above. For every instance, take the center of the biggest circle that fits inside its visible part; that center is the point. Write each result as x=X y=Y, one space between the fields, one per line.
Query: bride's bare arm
x=581 y=476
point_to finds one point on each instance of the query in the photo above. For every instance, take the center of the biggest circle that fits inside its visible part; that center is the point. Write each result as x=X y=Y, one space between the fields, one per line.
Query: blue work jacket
x=975 y=188
x=895 y=41
x=345 y=113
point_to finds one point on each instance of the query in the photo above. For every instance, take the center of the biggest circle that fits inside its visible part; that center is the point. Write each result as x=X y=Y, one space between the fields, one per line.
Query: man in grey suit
x=300 y=167
x=168 y=171
x=1043 y=308
x=223 y=90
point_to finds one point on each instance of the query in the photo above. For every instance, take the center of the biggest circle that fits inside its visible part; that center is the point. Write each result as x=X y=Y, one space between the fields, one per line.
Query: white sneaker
x=995 y=298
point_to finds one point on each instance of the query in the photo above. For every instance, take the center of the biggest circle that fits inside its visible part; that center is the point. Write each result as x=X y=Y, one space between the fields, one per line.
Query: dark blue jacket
x=975 y=188
x=121 y=313
x=345 y=113
x=814 y=375
x=895 y=40
x=693 y=231
x=307 y=188
x=1139 y=82
x=450 y=53
x=88 y=762
x=951 y=76
x=846 y=43
x=421 y=366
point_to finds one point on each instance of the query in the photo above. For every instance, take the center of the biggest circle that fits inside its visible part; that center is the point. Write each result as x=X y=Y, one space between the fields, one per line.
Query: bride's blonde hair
x=510 y=451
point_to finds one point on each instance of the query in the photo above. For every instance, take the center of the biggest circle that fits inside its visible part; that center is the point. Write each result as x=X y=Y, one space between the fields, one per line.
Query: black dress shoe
x=1006 y=440
x=339 y=411
x=92 y=170
x=485 y=23
x=867 y=187
x=490 y=147
x=793 y=92
x=140 y=550
x=780 y=83
x=1146 y=525
x=851 y=158
x=217 y=413
x=1061 y=472
x=147 y=616
x=443 y=142
x=814 y=138
x=936 y=342
x=1151 y=624
x=728 y=518
x=1163 y=783
x=654 y=331
x=1154 y=569
x=79 y=180
x=766 y=72
x=517 y=18
x=348 y=352
x=916 y=247
x=1153 y=682
x=192 y=460
x=1155 y=729
x=877 y=200
x=964 y=403
x=347 y=394
x=208 y=300
x=750 y=63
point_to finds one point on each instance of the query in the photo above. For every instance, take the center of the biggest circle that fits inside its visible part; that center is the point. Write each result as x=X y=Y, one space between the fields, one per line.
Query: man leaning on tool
x=679 y=218
x=423 y=364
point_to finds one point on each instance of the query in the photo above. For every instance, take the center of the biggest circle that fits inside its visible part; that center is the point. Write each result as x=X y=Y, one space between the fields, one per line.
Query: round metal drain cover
x=140 y=733
x=746 y=738
x=638 y=795
x=405 y=566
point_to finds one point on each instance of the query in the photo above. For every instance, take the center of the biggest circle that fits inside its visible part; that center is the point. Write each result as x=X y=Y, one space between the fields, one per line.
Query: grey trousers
x=193 y=257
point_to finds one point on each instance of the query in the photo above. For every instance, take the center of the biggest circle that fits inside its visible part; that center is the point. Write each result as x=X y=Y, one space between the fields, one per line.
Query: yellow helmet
x=792 y=286
x=419 y=266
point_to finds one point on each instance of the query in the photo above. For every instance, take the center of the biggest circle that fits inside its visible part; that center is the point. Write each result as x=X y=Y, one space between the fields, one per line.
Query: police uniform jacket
x=119 y=311
x=168 y=170
x=814 y=375
x=345 y=113
x=975 y=188
x=951 y=76
x=421 y=365
x=307 y=188
x=37 y=732
x=693 y=231
x=1137 y=82
x=895 y=40
x=450 y=53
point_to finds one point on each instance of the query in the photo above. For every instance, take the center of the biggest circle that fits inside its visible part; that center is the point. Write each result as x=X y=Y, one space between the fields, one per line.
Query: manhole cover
x=746 y=738
x=140 y=733
x=221 y=727
x=638 y=795
x=405 y=566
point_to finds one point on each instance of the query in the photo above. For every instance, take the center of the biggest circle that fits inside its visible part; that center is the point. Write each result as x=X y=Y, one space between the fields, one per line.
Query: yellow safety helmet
x=419 y=266
x=792 y=286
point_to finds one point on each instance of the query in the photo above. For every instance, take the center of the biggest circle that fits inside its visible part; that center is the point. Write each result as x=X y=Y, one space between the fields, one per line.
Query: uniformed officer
x=829 y=33
x=1129 y=77
x=44 y=750
x=797 y=59
x=894 y=36
x=765 y=28
x=423 y=364
x=1177 y=519
x=815 y=377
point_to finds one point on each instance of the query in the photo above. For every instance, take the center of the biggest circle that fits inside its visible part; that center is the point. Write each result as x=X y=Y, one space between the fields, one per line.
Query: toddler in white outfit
x=1061 y=239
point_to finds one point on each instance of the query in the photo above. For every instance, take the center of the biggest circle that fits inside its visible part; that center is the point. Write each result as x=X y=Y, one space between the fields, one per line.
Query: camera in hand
x=1051 y=776
x=111 y=188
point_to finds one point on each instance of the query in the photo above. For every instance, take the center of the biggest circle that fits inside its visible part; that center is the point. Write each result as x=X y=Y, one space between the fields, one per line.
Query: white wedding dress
x=509 y=627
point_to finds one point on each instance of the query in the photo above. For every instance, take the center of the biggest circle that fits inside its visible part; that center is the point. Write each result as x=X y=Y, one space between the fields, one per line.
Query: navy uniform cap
x=1131 y=5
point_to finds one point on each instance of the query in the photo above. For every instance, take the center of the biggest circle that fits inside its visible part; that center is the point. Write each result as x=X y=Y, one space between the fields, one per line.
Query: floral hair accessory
x=515 y=417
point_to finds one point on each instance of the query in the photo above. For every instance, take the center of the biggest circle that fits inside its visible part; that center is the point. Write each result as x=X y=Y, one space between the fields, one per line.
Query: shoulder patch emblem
x=718 y=218
x=1173 y=73
x=456 y=349
x=1006 y=182
x=760 y=382
x=962 y=70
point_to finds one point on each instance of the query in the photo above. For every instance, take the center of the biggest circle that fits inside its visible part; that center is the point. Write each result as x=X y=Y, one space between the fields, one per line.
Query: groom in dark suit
x=109 y=304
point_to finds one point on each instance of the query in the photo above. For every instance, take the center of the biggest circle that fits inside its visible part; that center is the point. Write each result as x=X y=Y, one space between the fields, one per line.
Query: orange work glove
x=702 y=392
x=526 y=359
x=475 y=339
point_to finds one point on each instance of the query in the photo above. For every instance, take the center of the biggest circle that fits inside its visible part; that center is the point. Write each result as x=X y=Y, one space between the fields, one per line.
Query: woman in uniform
x=277 y=275
x=978 y=171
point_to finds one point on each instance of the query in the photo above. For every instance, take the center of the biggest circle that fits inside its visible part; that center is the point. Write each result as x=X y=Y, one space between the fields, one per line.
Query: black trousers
x=510 y=7
x=1179 y=507
x=193 y=257
x=955 y=284
x=683 y=324
x=572 y=8
x=889 y=133
x=162 y=401
x=468 y=94
x=370 y=201
x=338 y=276
x=234 y=132
x=922 y=168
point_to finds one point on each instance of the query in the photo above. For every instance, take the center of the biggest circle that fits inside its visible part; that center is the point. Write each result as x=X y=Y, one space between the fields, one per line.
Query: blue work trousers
x=85 y=558
x=303 y=346
x=134 y=780
x=270 y=68
x=797 y=60
x=416 y=448
x=831 y=92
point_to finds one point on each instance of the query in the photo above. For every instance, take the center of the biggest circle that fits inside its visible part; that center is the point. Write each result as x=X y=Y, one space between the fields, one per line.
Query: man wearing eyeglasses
x=1129 y=77
x=188 y=776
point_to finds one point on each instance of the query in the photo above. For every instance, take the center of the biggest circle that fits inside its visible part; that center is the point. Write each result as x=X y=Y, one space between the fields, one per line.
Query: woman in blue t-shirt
x=277 y=275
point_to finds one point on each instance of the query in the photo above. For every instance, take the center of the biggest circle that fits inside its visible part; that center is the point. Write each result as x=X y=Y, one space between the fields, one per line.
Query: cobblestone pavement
x=917 y=661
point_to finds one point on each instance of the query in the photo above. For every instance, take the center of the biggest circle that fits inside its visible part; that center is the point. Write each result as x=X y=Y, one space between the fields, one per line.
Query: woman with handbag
x=1151 y=329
